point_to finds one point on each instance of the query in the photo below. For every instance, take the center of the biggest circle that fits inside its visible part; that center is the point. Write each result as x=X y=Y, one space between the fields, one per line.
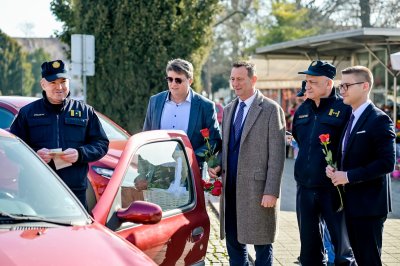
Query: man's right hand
x=45 y=155
x=214 y=172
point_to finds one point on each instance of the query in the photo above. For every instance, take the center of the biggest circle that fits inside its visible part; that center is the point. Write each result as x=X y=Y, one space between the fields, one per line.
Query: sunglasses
x=177 y=80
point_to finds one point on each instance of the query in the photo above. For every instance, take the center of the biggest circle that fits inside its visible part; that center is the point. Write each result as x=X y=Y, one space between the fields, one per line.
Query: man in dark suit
x=182 y=108
x=367 y=151
x=253 y=155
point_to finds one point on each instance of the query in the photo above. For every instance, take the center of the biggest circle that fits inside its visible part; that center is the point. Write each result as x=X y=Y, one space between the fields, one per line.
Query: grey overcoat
x=260 y=168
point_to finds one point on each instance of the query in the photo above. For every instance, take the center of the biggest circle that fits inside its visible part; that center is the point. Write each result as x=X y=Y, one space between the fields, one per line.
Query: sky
x=17 y=15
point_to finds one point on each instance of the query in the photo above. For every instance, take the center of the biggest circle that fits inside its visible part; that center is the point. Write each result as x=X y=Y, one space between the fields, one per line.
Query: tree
x=36 y=58
x=134 y=42
x=231 y=37
x=15 y=76
x=286 y=22
x=359 y=13
x=255 y=24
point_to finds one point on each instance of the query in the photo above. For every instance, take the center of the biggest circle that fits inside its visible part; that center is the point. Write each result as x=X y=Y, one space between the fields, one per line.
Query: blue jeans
x=328 y=243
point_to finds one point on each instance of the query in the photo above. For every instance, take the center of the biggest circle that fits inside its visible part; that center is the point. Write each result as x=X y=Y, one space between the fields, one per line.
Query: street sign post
x=82 y=57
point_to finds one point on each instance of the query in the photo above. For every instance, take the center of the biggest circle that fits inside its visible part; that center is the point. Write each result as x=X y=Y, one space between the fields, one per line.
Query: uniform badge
x=55 y=64
x=333 y=113
x=38 y=114
x=75 y=113
x=302 y=116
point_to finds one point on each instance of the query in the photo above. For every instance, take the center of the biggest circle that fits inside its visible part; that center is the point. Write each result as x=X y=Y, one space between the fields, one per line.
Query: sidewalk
x=287 y=246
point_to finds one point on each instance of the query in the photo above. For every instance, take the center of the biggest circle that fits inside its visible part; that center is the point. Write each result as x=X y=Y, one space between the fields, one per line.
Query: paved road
x=287 y=246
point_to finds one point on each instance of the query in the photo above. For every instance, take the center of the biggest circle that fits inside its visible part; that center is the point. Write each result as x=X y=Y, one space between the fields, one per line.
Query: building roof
x=53 y=46
x=338 y=45
x=283 y=73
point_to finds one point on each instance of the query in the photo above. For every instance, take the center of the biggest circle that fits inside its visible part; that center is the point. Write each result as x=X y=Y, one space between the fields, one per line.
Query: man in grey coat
x=253 y=155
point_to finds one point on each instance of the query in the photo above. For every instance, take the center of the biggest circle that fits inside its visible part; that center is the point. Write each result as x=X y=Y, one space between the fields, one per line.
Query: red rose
x=216 y=191
x=217 y=183
x=324 y=138
x=207 y=185
x=205 y=132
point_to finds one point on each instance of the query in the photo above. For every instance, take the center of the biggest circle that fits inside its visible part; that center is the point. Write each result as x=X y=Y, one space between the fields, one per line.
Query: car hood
x=71 y=245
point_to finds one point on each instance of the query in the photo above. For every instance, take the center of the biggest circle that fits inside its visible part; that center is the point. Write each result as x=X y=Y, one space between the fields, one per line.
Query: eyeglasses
x=177 y=80
x=345 y=86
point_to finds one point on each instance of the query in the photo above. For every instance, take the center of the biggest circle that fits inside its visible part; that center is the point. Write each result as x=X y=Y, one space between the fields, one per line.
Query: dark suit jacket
x=368 y=159
x=202 y=115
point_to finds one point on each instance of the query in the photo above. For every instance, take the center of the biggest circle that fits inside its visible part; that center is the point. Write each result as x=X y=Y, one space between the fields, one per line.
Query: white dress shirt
x=248 y=103
x=176 y=115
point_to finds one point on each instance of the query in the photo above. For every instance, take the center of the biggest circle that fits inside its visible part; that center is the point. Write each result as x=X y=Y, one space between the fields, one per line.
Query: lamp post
x=395 y=61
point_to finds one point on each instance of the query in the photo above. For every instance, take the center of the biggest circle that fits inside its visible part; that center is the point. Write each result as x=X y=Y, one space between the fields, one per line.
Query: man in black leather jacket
x=58 y=122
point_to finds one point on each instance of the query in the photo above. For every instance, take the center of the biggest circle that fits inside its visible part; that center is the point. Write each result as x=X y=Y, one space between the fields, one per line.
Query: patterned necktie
x=238 y=121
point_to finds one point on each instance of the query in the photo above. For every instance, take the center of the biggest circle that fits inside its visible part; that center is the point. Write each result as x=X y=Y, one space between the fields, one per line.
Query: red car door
x=159 y=167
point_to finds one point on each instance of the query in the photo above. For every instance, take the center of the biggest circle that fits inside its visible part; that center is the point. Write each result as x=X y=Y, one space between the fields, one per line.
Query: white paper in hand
x=58 y=161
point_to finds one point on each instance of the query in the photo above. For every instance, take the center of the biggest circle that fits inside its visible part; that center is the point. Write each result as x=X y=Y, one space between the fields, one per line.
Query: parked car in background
x=42 y=222
x=157 y=167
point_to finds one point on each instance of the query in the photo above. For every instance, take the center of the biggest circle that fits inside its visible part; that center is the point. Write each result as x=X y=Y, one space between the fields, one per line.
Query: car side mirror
x=141 y=212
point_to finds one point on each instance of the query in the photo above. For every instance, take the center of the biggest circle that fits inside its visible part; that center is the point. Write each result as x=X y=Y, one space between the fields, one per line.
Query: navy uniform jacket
x=76 y=126
x=368 y=159
x=309 y=122
x=202 y=115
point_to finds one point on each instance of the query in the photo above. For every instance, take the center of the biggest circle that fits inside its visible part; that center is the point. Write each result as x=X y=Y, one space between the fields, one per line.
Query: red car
x=42 y=223
x=158 y=167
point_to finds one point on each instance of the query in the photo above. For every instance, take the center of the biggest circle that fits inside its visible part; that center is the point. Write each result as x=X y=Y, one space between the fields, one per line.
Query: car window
x=6 y=118
x=112 y=132
x=158 y=173
x=29 y=187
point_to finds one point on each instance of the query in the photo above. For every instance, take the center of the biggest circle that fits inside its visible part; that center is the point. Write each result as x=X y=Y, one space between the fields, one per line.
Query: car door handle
x=197 y=234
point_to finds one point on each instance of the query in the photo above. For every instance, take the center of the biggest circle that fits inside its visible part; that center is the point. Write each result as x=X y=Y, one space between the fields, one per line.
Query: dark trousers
x=238 y=255
x=365 y=235
x=312 y=206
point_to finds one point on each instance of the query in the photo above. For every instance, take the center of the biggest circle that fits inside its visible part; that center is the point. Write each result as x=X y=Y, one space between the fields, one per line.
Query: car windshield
x=30 y=191
x=112 y=132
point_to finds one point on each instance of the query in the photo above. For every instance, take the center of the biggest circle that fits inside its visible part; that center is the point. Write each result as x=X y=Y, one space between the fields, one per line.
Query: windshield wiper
x=32 y=218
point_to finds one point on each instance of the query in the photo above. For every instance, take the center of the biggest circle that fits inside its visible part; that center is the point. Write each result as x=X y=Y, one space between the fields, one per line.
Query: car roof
x=18 y=101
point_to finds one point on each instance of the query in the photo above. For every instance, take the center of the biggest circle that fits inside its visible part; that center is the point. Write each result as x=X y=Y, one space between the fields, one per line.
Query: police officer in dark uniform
x=57 y=122
x=323 y=112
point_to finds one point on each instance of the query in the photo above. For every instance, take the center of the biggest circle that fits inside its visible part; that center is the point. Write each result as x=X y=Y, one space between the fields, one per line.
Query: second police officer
x=323 y=112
